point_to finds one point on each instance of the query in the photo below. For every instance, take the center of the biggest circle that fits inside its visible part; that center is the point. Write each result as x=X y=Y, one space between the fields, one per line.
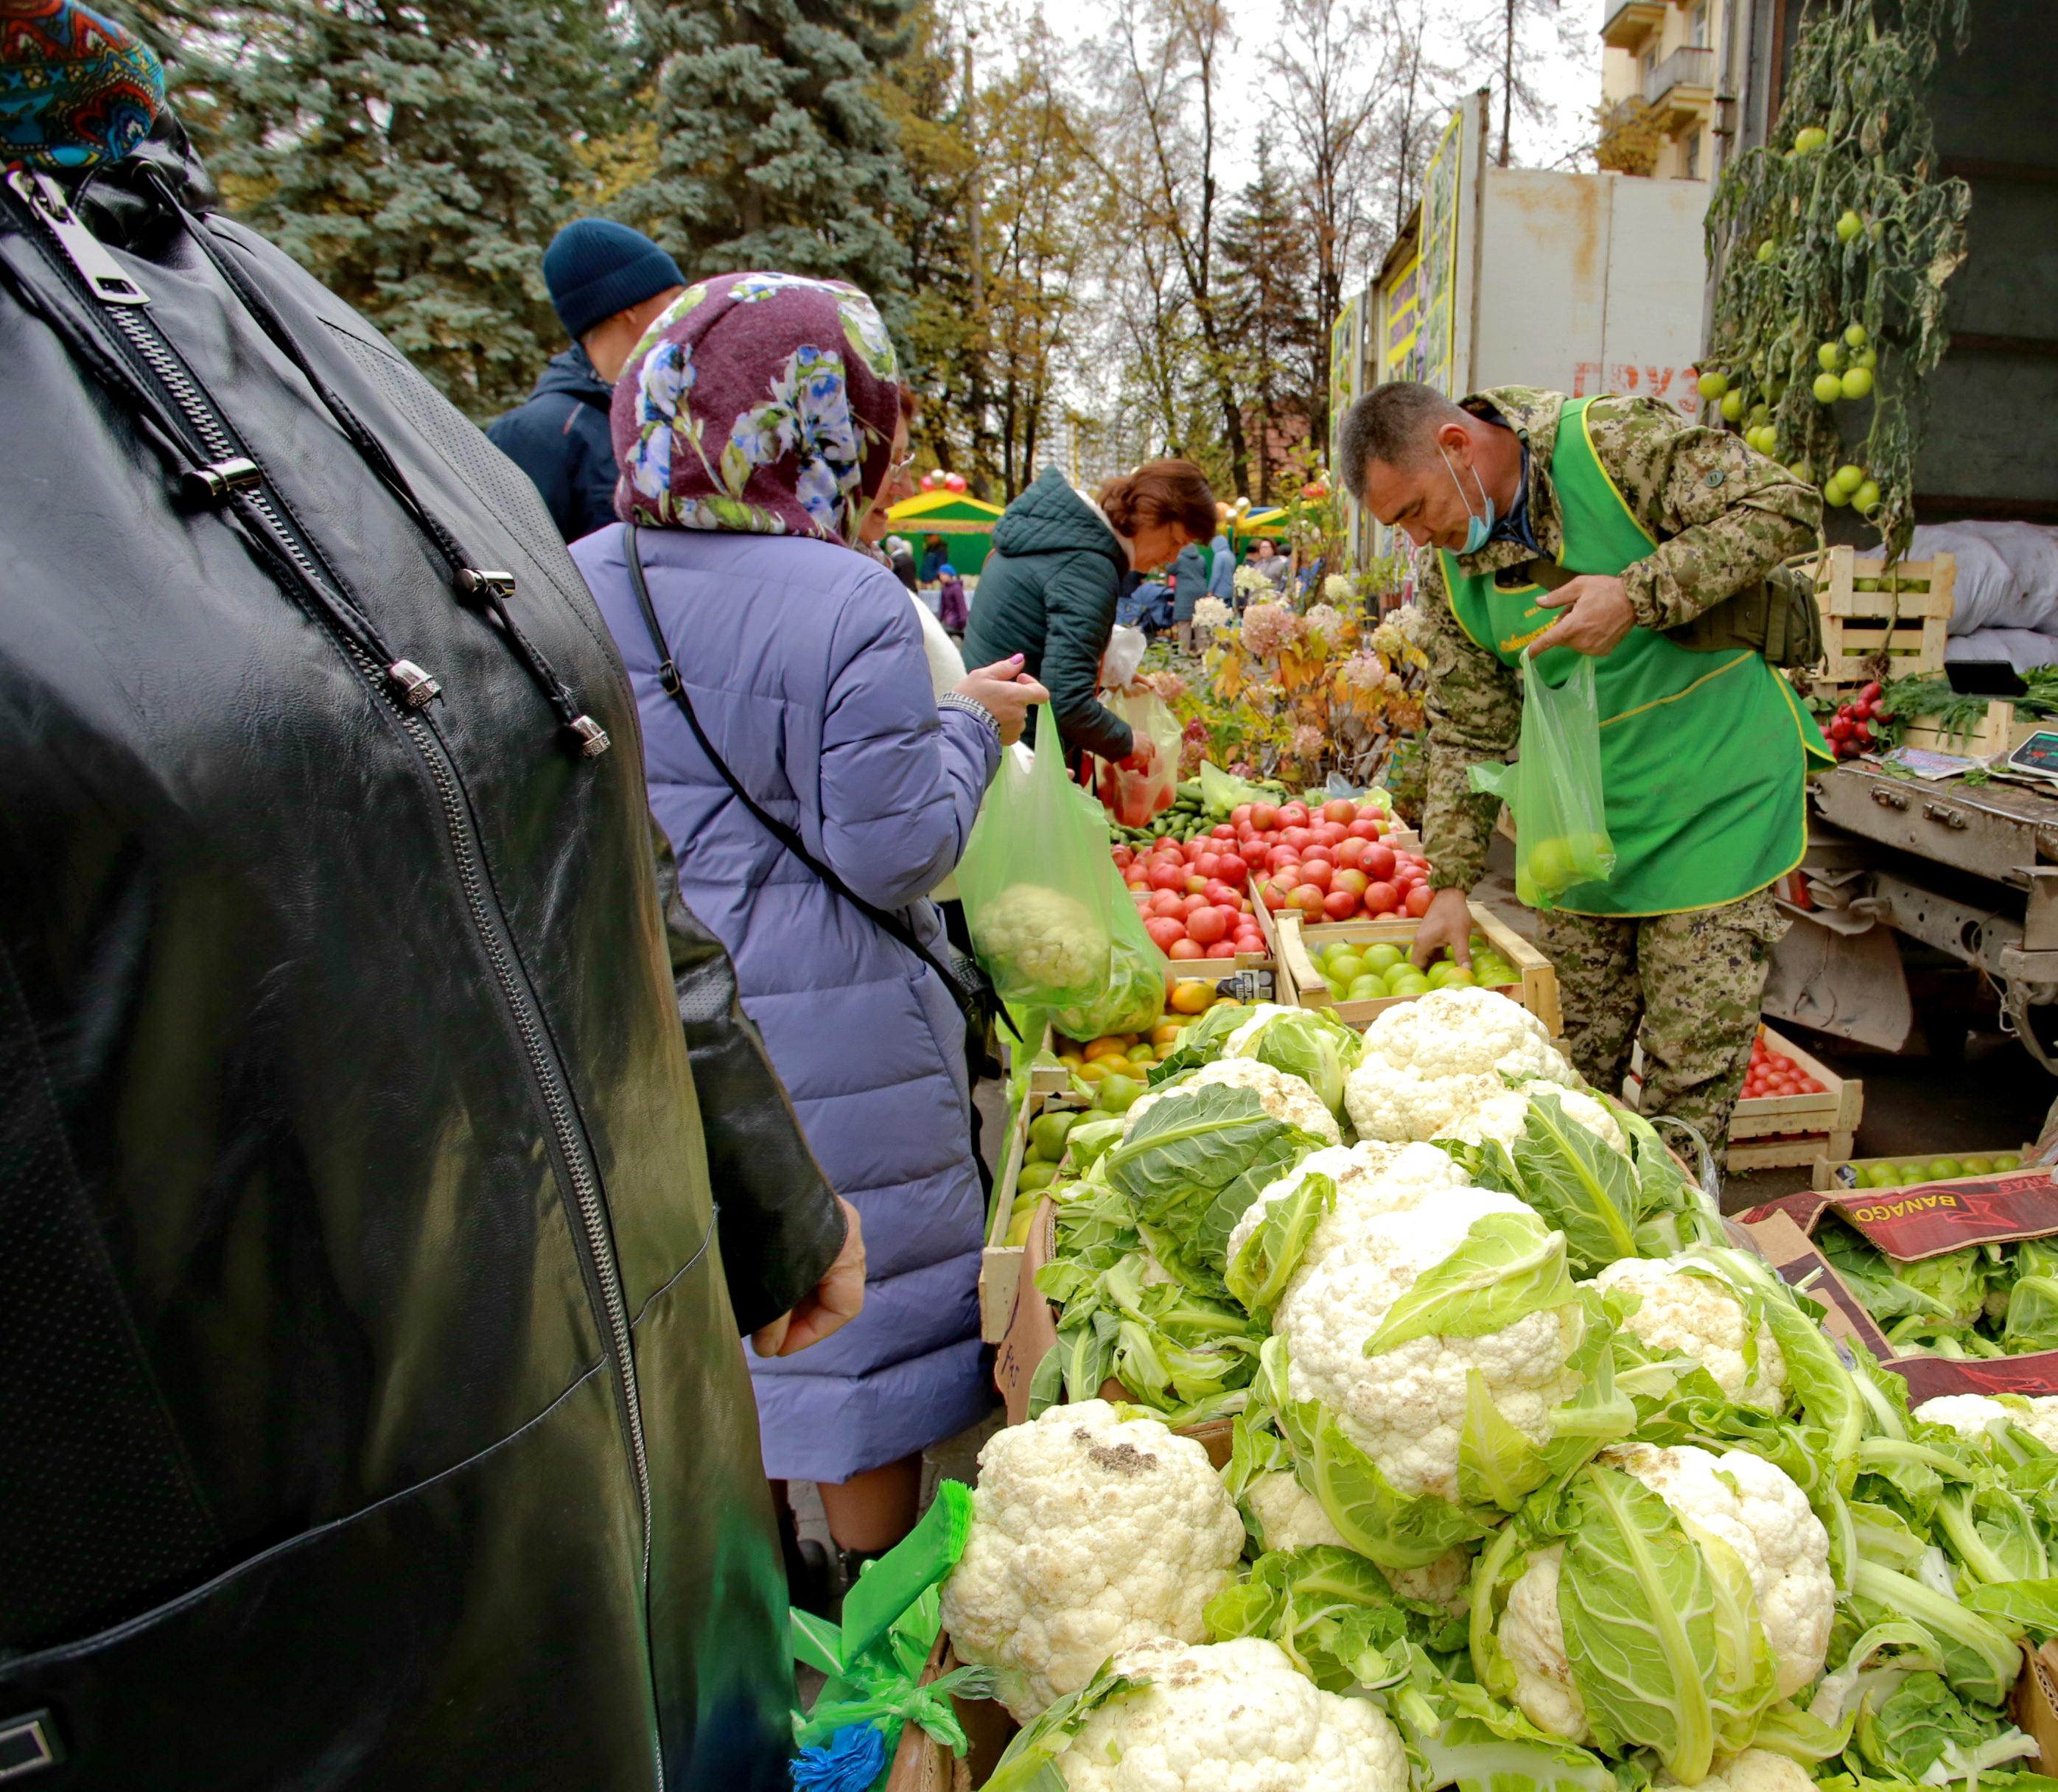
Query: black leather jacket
x=372 y=1413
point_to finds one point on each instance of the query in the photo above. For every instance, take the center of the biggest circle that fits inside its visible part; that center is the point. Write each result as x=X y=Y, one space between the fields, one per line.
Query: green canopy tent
x=966 y=523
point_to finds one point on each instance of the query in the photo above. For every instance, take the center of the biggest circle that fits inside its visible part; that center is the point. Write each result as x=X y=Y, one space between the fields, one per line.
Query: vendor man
x=1704 y=750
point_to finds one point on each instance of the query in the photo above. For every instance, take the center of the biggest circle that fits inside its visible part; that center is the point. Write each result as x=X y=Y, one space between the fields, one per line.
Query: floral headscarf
x=764 y=403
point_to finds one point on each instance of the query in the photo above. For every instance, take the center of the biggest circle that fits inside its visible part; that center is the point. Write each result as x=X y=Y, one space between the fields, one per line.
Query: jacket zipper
x=122 y=300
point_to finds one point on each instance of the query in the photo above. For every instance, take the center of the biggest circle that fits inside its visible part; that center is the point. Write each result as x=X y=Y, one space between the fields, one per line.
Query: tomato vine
x=1835 y=241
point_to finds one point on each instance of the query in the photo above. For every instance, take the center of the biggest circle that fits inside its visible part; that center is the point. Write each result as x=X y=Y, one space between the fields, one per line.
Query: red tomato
x=1165 y=931
x=1184 y=948
x=1165 y=876
x=1377 y=861
x=1381 y=899
x=1339 y=905
x=1273 y=896
x=1417 y=902
x=1354 y=881
x=1233 y=869
x=1328 y=833
x=1135 y=877
x=1292 y=815
x=1277 y=858
x=1193 y=904
x=1340 y=810
x=1298 y=838
x=1365 y=828
x=1252 y=943
x=1168 y=902
x=1240 y=815
x=1123 y=858
x=1222 y=831
x=1263 y=817
x=1351 y=851
x=1218 y=893
x=1189 y=850
x=1207 y=925
x=1319 y=855
x=1309 y=899
x=1318 y=872
x=1209 y=865
x=1195 y=884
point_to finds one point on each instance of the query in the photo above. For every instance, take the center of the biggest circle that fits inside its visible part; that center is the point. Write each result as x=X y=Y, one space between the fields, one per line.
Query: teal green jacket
x=1047 y=593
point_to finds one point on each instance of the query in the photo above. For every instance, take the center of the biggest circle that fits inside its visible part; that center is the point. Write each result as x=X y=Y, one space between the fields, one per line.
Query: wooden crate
x=2000 y=730
x=1907 y=618
x=1785 y=1132
x=1000 y=1262
x=1303 y=986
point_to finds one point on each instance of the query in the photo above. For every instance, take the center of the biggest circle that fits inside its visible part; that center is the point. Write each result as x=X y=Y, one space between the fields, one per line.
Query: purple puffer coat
x=804 y=663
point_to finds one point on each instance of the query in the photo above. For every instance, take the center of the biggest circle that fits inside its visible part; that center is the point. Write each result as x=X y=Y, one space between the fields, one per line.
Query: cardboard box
x=1303 y=986
x=1909 y=1224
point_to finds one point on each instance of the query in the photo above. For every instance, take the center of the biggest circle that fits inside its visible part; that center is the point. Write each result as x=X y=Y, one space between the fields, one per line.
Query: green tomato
x=1383 y=958
x=1732 y=406
x=1848 y=477
x=1866 y=498
x=1830 y=356
x=1760 y=413
x=1828 y=389
x=1766 y=250
x=1835 y=496
x=2006 y=1160
x=1856 y=336
x=1803 y=472
x=1847 y=226
x=1714 y=385
x=1857 y=383
x=1867 y=358
x=1117 y=1095
x=1808 y=139
x=1975 y=1166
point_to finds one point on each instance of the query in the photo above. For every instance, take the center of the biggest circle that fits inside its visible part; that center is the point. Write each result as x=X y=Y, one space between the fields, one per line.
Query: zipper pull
x=413 y=686
x=592 y=738
x=219 y=480
x=101 y=272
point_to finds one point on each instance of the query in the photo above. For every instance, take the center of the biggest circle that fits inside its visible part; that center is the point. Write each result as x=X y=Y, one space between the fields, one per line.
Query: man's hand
x=838 y=1298
x=1447 y=925
x=1599 y=615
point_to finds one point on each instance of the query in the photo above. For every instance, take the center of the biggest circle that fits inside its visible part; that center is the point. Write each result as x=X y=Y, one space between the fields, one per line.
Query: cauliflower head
x=1446 y=1582
x=1282 y=1096
x=1090 y=1533
x=1503 y=1115
x=1398 y=1104
x=1287 y=1515
x=1230 y=1717
x=1367 y=1176
x=1041 y=938
x=1468 y=1032
x=1699 y=1317
x=1405 y=1408
x=1969 y=1415
x=1754 y=1769
x=1741 y=1499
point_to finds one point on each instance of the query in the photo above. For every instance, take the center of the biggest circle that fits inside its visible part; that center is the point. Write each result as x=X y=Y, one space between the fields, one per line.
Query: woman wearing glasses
x=758 y=429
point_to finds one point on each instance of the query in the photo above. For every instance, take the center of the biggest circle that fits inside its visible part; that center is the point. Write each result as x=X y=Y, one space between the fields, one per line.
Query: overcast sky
x=1566 y=69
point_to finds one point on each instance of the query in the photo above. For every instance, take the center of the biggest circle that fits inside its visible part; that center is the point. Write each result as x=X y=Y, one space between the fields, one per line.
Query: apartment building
x=1660 y=86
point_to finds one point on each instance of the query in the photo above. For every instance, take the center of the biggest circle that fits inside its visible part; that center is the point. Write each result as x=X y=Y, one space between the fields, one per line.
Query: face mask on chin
x=1480 y=527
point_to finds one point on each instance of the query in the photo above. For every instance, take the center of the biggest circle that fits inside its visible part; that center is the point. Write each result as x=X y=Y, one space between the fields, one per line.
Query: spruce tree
x=772 y=150
x=416 y=159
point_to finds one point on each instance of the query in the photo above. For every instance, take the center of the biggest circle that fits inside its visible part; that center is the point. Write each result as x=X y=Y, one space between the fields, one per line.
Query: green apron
x=1703 y=756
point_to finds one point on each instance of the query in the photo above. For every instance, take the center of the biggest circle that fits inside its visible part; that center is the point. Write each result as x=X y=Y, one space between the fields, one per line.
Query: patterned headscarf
x=76 y=90
x=764 y=403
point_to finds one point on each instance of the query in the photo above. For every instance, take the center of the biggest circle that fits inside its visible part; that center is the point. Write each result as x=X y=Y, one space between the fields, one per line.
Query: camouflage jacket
x=1722 y=514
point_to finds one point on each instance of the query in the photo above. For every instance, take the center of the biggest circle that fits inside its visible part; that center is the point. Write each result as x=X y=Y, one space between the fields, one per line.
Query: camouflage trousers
x=1689 y=985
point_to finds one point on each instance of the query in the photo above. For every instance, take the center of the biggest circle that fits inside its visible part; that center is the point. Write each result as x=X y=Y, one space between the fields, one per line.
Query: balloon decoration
x=955 y=481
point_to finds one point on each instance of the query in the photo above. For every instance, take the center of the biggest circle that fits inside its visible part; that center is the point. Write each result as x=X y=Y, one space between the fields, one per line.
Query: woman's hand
x=838 y=1298
x=1005 y=692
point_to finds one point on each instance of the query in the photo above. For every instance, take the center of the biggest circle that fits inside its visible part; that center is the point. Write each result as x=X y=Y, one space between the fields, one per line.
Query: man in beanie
x=608 y=282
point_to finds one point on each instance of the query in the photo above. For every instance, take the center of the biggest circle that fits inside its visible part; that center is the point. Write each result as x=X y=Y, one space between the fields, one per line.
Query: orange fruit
x=1193 y=997
x=1167 y=1032
x=1092 y=1071
x=1108 y=1047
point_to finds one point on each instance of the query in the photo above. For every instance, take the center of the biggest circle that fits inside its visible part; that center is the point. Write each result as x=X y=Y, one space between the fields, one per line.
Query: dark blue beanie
x=595 y=266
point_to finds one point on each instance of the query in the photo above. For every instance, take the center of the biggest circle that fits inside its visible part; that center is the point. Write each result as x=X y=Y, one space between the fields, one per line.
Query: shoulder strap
x=668 y=676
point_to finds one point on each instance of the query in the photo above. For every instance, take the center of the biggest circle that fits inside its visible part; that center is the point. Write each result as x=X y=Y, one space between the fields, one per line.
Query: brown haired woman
x=1047 y=589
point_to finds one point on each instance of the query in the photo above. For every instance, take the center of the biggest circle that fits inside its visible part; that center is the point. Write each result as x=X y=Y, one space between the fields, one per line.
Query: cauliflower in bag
x=1042 y=946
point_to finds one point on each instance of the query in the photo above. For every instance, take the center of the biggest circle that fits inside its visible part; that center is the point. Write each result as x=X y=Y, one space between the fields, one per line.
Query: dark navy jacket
x=560 y=440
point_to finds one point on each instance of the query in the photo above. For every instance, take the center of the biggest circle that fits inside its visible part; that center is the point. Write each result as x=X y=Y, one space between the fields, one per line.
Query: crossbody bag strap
x=668 y=676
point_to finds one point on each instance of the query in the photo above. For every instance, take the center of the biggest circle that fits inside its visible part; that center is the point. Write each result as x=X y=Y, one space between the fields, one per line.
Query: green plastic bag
x=1050 y=916
x=1561 y=837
